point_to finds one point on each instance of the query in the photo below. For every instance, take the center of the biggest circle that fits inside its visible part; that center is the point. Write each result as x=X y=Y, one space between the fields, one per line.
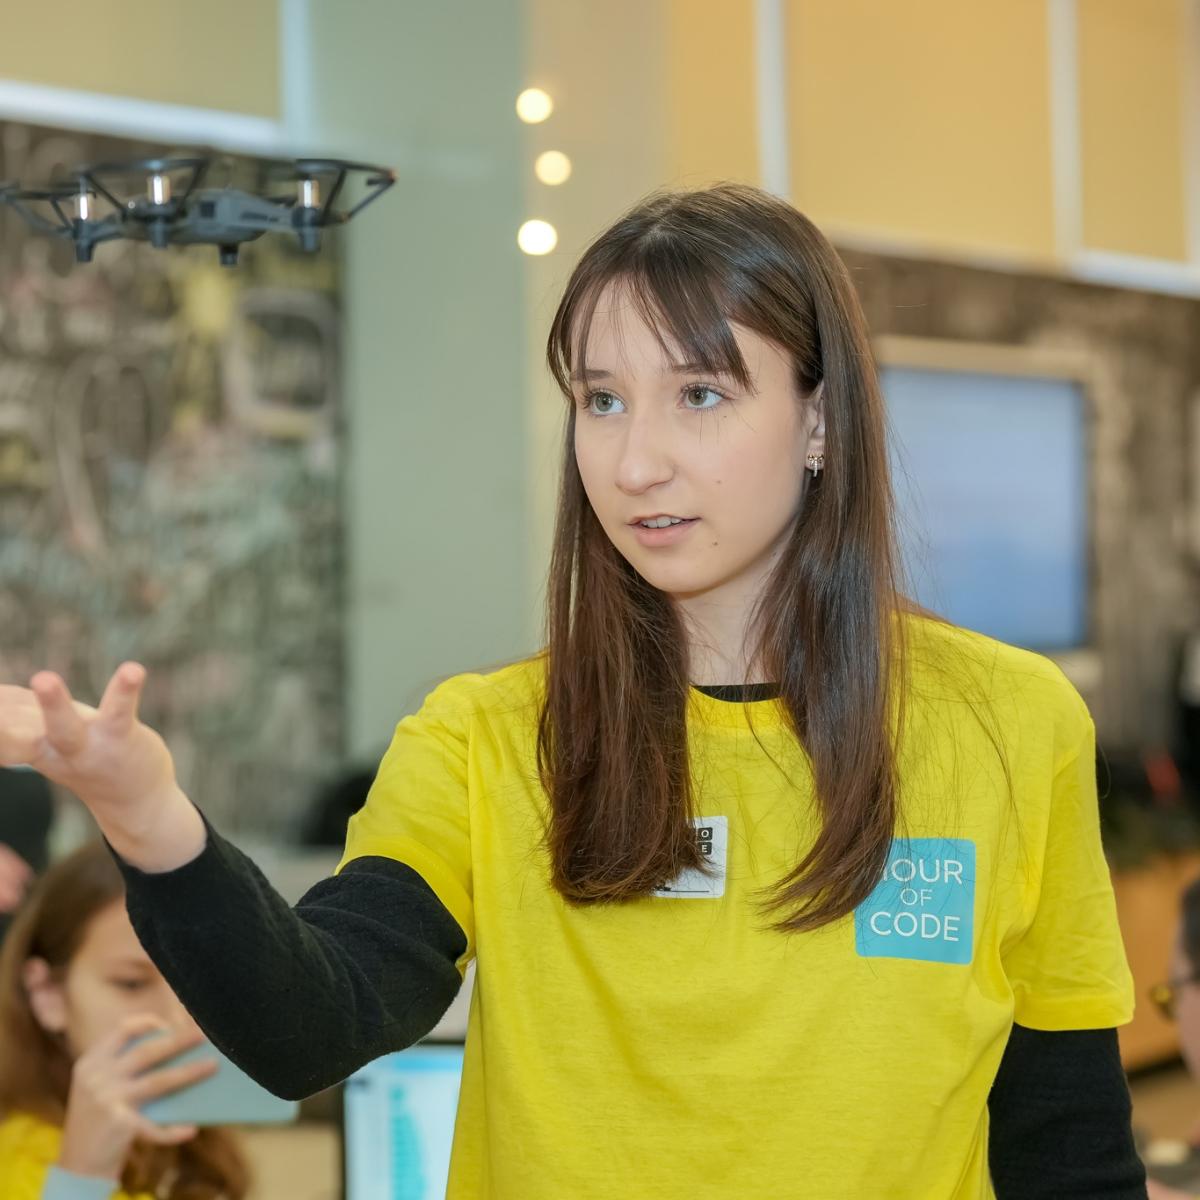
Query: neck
x=716 y=626
x=717 y=620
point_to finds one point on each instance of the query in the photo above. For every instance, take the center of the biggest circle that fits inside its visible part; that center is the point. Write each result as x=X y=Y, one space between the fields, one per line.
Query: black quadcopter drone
x=173 y=211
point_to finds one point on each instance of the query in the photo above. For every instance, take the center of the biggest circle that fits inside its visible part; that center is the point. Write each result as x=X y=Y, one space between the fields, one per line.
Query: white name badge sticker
x=712 y=833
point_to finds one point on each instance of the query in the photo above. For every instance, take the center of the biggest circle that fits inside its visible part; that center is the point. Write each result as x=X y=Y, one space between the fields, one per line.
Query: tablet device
x=227 y=1097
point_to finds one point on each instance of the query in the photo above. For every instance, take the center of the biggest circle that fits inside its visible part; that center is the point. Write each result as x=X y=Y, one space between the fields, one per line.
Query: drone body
x=224 y=217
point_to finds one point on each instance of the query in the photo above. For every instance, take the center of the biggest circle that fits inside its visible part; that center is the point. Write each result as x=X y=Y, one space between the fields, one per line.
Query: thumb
x=65 y=728
x=119 y=705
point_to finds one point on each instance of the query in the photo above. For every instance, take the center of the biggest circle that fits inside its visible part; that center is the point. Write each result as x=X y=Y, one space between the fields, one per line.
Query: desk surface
x=294 y=1162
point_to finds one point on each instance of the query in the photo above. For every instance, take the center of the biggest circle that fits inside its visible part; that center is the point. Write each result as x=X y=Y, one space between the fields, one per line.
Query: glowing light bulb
x=533 y=106
x=537 y=237
x=552 y=167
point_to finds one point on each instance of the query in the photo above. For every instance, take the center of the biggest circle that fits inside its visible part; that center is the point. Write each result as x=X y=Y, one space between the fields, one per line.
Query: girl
x=75 y=987
x=1179 y=1000
x=777 y=885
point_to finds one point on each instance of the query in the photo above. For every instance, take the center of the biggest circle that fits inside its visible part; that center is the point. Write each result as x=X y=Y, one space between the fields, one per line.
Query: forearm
x=301 y=998
x=1060 y=1119
x=160 y=836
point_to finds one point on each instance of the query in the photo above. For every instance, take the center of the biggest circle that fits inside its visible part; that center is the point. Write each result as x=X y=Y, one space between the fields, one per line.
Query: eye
x=600 y=404
x=709 y=396
x=129 y=985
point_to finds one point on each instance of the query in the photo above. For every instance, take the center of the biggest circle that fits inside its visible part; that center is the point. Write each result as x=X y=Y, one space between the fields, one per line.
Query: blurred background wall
x=224 y=55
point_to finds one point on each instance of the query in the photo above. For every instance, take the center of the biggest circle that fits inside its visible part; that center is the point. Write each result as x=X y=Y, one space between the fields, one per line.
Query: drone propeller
x=159 y=208
x=175 y=208
x=311 y=176
x=83 y=226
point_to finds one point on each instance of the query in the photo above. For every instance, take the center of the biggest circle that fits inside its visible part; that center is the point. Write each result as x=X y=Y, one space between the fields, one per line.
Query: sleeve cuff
x=187 y=889
x=433 y=870
x=1059 y=1014
x=66 y=1185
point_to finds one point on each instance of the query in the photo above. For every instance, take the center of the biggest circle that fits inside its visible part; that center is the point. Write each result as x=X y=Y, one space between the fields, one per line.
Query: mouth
x=651 y=534
x=661 y=521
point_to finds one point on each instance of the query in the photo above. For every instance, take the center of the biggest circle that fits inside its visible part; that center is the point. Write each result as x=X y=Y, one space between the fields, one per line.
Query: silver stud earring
x=816 y=462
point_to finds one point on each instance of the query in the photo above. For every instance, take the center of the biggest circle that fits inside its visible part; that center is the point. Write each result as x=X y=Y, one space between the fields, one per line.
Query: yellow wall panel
x=220 y=54
x=926 y=119
x=1131 y=96
x=710 y=92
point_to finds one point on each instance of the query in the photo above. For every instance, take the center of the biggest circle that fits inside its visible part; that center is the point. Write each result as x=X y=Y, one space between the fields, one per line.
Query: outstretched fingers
x=66 y=730
x=119 y=704
x=22 y=726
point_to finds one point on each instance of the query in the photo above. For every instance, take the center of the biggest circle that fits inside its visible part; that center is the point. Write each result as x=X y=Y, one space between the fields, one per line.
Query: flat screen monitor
x=398 y=1124
x=991 y=483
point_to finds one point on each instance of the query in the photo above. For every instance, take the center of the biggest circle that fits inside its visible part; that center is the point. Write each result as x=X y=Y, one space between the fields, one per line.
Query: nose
x=177 y=1016
x=645 y=458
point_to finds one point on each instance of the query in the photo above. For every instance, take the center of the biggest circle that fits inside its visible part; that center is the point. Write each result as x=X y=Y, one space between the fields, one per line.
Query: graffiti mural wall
x=170 y=490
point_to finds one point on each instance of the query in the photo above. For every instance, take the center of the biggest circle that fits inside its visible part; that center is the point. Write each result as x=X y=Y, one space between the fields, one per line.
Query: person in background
x=1179 y=1000
x=75 y=988
x=15 y=875
x=26 y=813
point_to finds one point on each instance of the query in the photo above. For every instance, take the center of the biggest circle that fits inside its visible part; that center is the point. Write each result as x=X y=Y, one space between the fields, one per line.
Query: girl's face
x=654 y=437
x=109 y=978
x=1187 y=1007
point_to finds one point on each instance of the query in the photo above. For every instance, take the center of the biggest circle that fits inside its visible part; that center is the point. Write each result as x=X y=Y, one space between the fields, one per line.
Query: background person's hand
x=120 y=768
x=109 y=1082
x=1160 y=1191
x=15 y=875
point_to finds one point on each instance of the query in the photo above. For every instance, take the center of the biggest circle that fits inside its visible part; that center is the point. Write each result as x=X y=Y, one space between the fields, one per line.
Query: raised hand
x=120 y=768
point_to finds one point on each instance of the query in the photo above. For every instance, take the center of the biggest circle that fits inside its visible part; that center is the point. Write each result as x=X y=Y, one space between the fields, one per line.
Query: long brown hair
x=35 y=1067
x=612 y=743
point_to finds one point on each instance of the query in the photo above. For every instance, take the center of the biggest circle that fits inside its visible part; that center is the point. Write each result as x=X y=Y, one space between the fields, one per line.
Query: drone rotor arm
x=21 y=199
x=36 y=220
x=199 y=168
x=56 y=204
x=327 y=207
x=105 y=230
x=380 y=184
x=87 y=176
x=379 y=179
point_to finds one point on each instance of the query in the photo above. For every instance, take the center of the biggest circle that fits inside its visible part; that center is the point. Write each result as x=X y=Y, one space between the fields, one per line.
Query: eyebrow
x=669 y=369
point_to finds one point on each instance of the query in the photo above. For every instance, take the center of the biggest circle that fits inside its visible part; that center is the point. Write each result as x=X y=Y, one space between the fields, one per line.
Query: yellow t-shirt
x=674 y=1047
x=28 y=1149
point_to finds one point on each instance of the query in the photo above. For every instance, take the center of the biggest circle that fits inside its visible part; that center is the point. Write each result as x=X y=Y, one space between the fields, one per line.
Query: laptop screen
x=398 y=1123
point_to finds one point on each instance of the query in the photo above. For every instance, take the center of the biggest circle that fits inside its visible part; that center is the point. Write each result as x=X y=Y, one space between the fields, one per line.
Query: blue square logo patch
x=924 y=906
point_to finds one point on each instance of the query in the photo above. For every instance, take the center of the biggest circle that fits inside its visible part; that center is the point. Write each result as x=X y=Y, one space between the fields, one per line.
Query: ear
x=814 y=418
x=46 y=997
